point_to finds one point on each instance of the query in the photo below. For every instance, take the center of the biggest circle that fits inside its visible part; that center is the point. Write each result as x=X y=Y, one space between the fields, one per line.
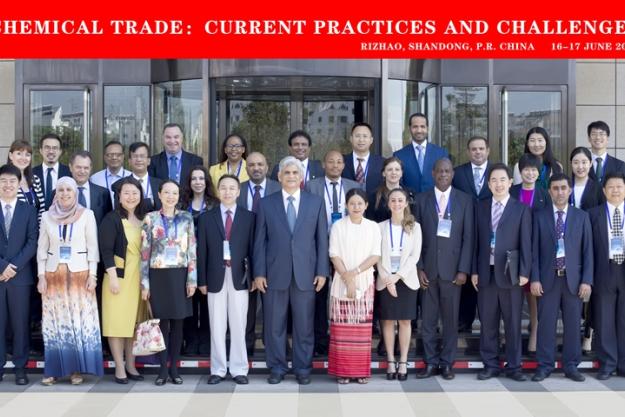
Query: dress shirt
x=340 y=193
x=145 y=183
x=106 y=178
x=250 y=191
x=54 y=174
x=297 y=195
x=447 y=194
x=578 y=192
x=482 y=172
x=11 y=203
x=610 y=217
x=503 y=202
x=416 y=149
x=594 y=160
x=86 y=192
x=306 y=173
x=223 y=208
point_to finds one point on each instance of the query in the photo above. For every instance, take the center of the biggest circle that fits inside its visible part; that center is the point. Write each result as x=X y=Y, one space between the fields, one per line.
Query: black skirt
x=402 y=307
x=168 y=293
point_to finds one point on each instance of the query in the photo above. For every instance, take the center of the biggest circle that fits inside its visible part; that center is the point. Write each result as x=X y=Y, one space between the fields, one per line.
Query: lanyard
x=447 y=209
x=202 y=207
x=63 y=232
x=238 y=170
x=572 y=197
x=166 y=226
x=106 y=178
x=607 y=212
x=29 y=195
x=330 y=198
x=401 y=239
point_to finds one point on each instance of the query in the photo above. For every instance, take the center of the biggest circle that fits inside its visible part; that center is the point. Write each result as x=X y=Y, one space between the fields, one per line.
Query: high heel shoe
x=391 y=370
x=402 y=376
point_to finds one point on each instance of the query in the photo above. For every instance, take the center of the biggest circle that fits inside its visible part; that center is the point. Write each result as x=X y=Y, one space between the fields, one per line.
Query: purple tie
x=256 y=198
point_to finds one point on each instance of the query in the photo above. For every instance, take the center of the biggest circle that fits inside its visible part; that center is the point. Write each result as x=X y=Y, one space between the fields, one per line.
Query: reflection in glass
x=329 y=123
x=179 y=102
x=60 y=112
x=127 y=114
x=464 y=114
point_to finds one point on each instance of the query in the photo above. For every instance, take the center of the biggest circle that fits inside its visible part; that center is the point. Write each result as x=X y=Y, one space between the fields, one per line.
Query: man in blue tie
x=173 y=163
x=290 y=264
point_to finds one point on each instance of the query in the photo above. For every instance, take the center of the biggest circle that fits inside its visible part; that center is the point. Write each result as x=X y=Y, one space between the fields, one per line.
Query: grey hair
x=291 y=160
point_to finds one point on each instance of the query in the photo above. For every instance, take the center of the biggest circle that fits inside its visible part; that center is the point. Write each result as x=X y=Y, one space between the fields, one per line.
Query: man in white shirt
x=602 y=163
x=51 y=149
x=138 y=161
x=114 y=171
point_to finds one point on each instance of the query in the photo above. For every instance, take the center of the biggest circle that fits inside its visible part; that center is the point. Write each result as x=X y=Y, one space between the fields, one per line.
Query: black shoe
x=241 y=380
x=540 y=375
x=122 y=381
x=516 y=376
x=575 y=375
x=447 y=372
x=20 y=377
x=275 y=378
x=303 y=379
x=215 y=379
x=134 y=377
x=402 y=376
x=176 y=380
x=488 y=373
x=391 y=374
x=603 y=375
x=428 y=371
x=160 y=381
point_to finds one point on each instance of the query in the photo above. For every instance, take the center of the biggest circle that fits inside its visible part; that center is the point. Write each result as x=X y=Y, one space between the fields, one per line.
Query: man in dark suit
x=290 y=263
x=504 y=236
x=469 y=178
x=608 y=302
x=602 y=163
x=225 y=244
x=561 y=277
x=18 y=245
x=419 y=156
x=173 y=162
x=252 y=191
x=332 y=188
x=51 y=170
x=300 y=144
x=360 y=165
x=446 y=218
x=138 y=161
x=90 y=195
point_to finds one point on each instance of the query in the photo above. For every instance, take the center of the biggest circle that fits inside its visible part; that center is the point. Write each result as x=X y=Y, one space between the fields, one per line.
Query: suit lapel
x=603 y=230
x=220 y=224
x=350 y=169
x=4 y=232
x=301 y=211
x=279 y=208
x=431 y=207
x=551 y=224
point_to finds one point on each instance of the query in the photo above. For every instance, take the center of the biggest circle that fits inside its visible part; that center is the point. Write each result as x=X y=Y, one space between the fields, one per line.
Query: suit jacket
x=39 y=171
x=412 y=177
x=315 y=170
x=23 y=243
x=373 y=170
x=210 y=260
x=514 y=232
x=281 y=256
x=159 y=166
x=541 y=196
x=603 y=280
x=463 y=180
x=577 y=248
x=317 y=187
x=84 y=253
x=442 y=256
x=409 y=257
x=591 y=197
x=271 y=187
x=611 y=164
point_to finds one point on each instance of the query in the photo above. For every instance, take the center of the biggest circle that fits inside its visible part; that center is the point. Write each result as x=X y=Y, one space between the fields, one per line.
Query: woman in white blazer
x=397 y=280
x=67 y=258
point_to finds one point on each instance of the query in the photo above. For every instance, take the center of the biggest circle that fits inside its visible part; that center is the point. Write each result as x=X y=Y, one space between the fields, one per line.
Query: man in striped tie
x=361 y=165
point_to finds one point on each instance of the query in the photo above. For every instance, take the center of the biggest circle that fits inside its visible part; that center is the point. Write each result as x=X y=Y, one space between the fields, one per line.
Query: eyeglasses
x=595 y=135
x=51 y=148
x=234 y=146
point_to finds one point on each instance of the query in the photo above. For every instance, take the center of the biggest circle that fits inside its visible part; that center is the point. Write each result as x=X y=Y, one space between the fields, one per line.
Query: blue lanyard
x=106 y=178
x=330 y=198
x=202 y=207
x=238 y=170
x=401 y=239
x=572 y=197
x=71 y=232
x=447 y=209
x=607 y=212
x=166 y=226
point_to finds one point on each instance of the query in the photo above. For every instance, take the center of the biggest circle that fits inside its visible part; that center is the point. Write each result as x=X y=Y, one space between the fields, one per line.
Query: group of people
x=394 y=236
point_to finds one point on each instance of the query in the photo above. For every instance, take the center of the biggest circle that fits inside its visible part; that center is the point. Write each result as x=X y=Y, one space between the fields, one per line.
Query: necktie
x=49 y=187
x=173 y=168
x=81 y=197
x=617 y=231
x=560 y=235
x=290 y=213
x=420 y=157
x=335 y=198
x=256 y=198
x=360 y=172
x=442 y=205
x=228 y=228
x=599 y=168
x=8 y=216
x=496 y=214
x=476 y=178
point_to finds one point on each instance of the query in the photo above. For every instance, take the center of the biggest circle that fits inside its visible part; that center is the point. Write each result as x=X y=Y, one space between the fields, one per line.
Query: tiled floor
x=464 y=396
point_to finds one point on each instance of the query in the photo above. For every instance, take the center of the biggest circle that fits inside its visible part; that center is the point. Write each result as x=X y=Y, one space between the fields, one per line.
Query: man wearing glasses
x=602 y=163
x=51 y=169
x=114 y=171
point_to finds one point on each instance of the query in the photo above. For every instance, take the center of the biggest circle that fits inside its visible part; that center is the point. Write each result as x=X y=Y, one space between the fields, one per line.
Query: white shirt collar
x=611 y=208
x=504 y=201
x=145 y=177
x=482 y=167
x=286 y=195
x=329 y=181
x=438 y=193
x=224 y=209
x=424 y=144
x=555 y=210
x=11 y=203
x=55 y=168
x=595 y=156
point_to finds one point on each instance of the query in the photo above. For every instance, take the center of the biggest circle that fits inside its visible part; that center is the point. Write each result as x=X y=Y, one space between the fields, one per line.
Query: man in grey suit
x=290 y=263
x=252 y=191
x=332 y=188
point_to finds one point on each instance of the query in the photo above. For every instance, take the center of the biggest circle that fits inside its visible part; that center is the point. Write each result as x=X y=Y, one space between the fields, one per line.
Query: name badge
x=492 y=241
x=227 y=255
x=616 y=246
x=444 y=228
x=560 y=248
x=395 y=261
x=171 y=256
x=65 y=253
x=336 y=217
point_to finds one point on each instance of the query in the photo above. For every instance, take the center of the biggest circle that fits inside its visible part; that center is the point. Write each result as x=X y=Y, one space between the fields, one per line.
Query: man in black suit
x=225 y=244
x=90 y=195
x=608 y=302
x=173 y=162
x=51 y=170
x=561 y=277
x=252 y=191
x=300 y=144
x=446 y=218
x=504 y=237
x=18 y=245
x=360 y=165
x=469 y=178
x=138 y=161
x=602 y=163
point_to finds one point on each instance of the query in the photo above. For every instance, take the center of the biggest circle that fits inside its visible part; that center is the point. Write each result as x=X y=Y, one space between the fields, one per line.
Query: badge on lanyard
x=336 y=216
x=65 y=249
x=171 y=251
x=227 y=255
x=616 y=246
x=444 y=228
x=560 y=248
x=492 y=242
x=65 y=253
x=396 y=252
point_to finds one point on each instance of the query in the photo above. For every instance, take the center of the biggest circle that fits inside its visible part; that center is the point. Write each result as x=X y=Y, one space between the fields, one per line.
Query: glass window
x=127 y=114
x=332 y=128
x=179 y=102
x=464 y=114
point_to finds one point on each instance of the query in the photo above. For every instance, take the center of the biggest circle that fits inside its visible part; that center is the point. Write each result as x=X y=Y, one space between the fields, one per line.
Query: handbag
x=148 y=337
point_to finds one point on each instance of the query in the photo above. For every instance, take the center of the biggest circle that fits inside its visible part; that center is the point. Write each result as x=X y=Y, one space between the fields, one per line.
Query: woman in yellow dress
x=231 y=160
x=120 y=248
